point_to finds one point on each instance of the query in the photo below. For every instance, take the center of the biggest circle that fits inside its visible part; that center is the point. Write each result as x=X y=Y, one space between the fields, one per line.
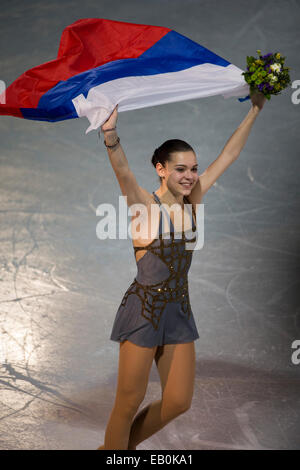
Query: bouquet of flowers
x=267 y=74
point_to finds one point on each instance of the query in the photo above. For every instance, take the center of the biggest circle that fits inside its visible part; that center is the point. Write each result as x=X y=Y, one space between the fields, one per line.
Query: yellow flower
x=277 y=56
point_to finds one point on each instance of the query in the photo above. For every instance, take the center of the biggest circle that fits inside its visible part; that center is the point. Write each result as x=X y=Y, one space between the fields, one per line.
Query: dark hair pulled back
x=162 y=154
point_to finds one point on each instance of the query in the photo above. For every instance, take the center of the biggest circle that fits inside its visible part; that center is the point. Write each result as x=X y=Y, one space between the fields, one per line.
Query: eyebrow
x=181 y=164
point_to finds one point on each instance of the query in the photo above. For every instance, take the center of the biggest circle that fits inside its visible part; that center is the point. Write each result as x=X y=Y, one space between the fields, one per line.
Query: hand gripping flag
x=102 y=63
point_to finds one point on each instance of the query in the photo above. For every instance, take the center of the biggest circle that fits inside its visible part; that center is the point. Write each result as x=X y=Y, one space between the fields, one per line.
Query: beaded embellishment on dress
x=174 y=288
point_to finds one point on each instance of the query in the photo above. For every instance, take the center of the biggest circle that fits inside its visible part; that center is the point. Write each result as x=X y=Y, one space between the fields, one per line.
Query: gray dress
x=155 y=309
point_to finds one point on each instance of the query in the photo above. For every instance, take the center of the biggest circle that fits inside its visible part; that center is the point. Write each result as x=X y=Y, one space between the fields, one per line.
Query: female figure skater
x=155 y=320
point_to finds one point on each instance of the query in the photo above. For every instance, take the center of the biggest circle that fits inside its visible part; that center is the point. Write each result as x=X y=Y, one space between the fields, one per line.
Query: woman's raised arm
x=230 y=152
x=127 y=181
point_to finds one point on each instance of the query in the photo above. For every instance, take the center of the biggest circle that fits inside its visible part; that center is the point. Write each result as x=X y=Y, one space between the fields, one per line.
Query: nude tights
x=176 y=366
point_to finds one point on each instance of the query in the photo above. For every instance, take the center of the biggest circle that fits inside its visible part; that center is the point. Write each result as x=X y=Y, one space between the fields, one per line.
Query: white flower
x=275 y=67
x=273 y=78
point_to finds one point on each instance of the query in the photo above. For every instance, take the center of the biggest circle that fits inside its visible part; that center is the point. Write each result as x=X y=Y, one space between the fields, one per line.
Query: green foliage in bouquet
x=267 y=74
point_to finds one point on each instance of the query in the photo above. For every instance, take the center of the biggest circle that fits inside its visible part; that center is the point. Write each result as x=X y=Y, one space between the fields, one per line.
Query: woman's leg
x=134 y=367
x=176 y=367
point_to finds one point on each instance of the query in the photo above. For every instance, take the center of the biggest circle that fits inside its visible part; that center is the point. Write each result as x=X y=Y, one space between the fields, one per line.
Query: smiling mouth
x=186 y=185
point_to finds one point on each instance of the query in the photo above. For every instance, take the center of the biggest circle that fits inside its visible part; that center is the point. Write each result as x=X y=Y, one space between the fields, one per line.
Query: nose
x=189 y=176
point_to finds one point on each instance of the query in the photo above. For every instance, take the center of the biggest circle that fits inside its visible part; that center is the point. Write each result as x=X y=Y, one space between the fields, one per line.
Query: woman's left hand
x=112 y=120
x=258 y=99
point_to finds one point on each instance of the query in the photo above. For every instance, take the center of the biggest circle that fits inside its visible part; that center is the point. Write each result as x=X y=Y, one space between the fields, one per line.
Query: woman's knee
x=176 y=366
x=175 y=405
x=130 y=394
x=128 y=402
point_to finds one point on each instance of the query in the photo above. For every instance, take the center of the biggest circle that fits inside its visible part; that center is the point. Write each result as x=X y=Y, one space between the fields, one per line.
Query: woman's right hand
x=111 y=121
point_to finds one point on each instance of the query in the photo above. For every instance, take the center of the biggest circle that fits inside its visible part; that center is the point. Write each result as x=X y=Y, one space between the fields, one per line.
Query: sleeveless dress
x=155 y=309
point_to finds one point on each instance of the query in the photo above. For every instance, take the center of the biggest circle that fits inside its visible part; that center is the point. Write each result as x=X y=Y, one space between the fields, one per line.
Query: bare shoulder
x=193 y=201
x=130 y=188
x=147 y=197
x=145 y=219
x=197 y=193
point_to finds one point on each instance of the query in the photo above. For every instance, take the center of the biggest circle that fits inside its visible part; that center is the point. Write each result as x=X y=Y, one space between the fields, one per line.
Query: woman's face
x=181 y=173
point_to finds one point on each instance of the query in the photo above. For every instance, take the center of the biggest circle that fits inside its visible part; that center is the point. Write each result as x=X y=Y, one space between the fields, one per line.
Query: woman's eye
x=182 y=169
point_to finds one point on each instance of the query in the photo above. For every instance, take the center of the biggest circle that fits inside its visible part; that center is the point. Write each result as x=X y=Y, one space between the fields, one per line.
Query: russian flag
x=102 y=63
